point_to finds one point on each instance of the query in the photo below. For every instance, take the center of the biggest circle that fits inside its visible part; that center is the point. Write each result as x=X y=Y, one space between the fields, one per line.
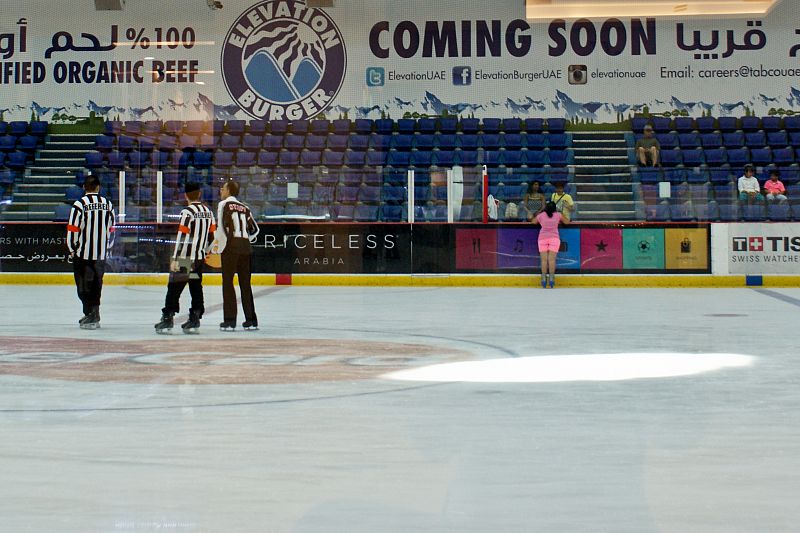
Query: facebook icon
x=375 y=76
x=462 y=76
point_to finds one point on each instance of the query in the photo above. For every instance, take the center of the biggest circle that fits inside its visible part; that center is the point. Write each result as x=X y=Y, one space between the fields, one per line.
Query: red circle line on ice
x=214 y=361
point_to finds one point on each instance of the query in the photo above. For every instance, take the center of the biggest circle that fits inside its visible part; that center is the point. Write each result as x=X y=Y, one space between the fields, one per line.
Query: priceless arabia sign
x=283 y=60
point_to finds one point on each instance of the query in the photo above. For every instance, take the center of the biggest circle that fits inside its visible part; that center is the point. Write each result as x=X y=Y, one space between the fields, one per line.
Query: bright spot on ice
x=557 y=368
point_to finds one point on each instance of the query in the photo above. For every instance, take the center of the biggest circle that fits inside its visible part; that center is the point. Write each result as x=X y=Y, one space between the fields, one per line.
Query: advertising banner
x=686 y=249
x=601 y=249
x=281 y=59
x=755 y=248
x=518 y=248
x=643 y=249
x=476 y=249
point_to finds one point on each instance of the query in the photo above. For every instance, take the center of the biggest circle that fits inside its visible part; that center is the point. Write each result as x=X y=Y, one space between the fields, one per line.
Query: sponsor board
x=758 y=248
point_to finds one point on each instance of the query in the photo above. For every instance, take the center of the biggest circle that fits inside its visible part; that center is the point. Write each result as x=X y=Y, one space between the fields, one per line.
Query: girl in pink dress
x=549 y=242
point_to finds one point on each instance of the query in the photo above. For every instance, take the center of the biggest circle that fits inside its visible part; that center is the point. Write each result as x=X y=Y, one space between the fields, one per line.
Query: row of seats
x=225 y=160
x=341 y=126
x=721 y=156
x=704 y=192
x=334 y=142
x=17 y=161
x=736 y=139
x=721 y=211
x=789 y=175
x=710 y=124
x=18 y=128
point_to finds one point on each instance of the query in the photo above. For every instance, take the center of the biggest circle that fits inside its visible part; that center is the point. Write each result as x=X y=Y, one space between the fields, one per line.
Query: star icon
x=601 y=246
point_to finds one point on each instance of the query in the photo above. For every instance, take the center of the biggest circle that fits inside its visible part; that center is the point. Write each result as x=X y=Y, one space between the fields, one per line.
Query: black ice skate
x=90 y=321
x=250 y=325
x=192 y=325
x=228 y=325
x=164 y=327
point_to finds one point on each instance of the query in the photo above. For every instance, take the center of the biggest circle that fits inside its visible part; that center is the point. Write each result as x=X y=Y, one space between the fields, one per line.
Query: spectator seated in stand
x=564 y=203
x=648 y=148
x=774 y=189
x=749 y=189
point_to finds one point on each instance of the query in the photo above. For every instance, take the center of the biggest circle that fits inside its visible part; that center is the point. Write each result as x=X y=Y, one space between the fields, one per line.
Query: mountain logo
x=282 y=60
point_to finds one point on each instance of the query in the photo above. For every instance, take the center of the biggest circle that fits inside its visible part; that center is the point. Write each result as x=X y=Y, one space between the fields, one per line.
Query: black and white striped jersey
x=90 y=227
x=237 y=227
x=196 y=225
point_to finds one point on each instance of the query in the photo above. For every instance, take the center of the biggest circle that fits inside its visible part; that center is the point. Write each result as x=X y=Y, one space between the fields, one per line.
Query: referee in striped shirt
x=89 y=232
x=196 y=225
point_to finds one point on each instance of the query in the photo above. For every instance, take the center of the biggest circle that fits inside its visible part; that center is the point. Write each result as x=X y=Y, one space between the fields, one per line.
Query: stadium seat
x=356 y=159
x=316 y=143
x=364 y=126
x=406 y=126
x=332 y=159
x=689 y=140
x=491 y=125
x=671 y=157
x=320 y=127
x=448 y=125
x=716 y=156
x=556 y=125
x=667 y=141
x=491 y=141
x=343 y=127
x=755 y=139
x=424 y=141
x=470 y=125
x=727 y=124
x=750 y=123
x=705 y=124
x=534 y=125
x=684 y=124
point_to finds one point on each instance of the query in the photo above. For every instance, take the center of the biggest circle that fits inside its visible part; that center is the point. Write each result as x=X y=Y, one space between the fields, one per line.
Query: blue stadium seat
x=671 y=158
x=366 y=213
x=102 y=143
x=376 y=159
x=116 y=160
x=750 y=123
x=289 y=159
x=399 y=159
x=706 y=211
x=733 y=139
x=332 y=159
x=761 y=156
x=257 y=127
x=343 y=126
x=638 y=124
x=168 y=143
x=159 y=159
x=682 y=212
x=61 y=212
x=446 y=141
x=316 y=143
x=692 y=158
x=777 y=139
x=783 y=156
x=126 y=143
x=236 y=127
x=769 y=124
x=661 y=124
x=138 y=159
x=649 y=175
x=792 y=123
x=267 y=159
x=369 y=194
x=534 y=125
x=556 y=125
x=753 y=212
x=230 y=143
x=513 y=158
x=445 y=158
x=491 y=125
x=426 y=125
x=194 y=128
x=493 y=158
x=512 y=125
x=421 y=159
x=667 y=141
x=755 y=139
x=727 y=124
x=424 y=141
x=470 y=125
x=514 y=141
x=323 y=194
x=558 y=140
x=251 y=143
x=363 y=126
x=300 y=127
x=111 y=127
x=470 y=142
x=222 y=159
x=711 y=140
x=294 y=143
x=381 y=142
x=778 y=212
x=357 y=158
x=715 y=156
x=93 y=160
x=559 y=157
x=320 y=127
x=394 y=193
x=310 y=159
x=392 y=213
x=338 y=143
x=684 y=124
x=689 y=140
x=657 y=213
x=18 y=128
x=384 y=126
x=448 y=125
x=361 y=142
x=674 y=175
x=469 y=158
x=705 y=124
x=536 y=158
x=406 y=126
x=491 y=141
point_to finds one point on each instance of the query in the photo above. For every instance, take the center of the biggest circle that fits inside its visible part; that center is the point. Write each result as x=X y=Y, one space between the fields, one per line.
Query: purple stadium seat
x=406 y=126
x=733 y=139
x=402 y=142
x=777 y=139
x=426 y=125
x=384 y=126
x=684 y=124
x=424 y=141
x=711 y=140
x=267 y=159
x=491 y=125
x=300 y=127
x=342 y=126
x=715 y=156
x=320 y=127
x=338 y=143
x=332 y=159
x=750 y=123
x=310 y=159
x=705 y=124
x=278 y=127
x=727 y=124
x=692 y=158
x=556 y=125
x=316 y=143
x=689 y=140
x=448 y=125
x=671 y=158
x=661 y=124
x=755 y=139
x=761 y=156
x=783 y=156
x=470 y=125
x=357 y=159
x=446 y=141
x=534 y=125
x=245 y=159
x=93 y=160
x=771 y=123
x=230 y=143
x=380 y=142
x=668 y=141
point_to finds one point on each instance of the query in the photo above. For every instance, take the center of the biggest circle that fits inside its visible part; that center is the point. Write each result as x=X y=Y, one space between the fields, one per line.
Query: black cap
x=191 y=186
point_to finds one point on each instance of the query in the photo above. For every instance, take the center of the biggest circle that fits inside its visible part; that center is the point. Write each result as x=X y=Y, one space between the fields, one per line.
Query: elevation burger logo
x=283 y=60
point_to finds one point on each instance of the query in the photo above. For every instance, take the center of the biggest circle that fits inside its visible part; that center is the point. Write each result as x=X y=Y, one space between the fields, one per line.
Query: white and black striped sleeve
x=74 y=227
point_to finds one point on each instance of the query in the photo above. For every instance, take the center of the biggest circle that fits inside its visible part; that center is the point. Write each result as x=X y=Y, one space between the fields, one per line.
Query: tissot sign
x=764 y=248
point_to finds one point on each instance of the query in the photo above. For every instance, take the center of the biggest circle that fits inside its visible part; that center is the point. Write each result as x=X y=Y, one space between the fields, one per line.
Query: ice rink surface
x=303 y=426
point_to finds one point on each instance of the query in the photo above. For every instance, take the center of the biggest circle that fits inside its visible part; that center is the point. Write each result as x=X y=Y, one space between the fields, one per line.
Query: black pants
x=236 y=263
x=175 y=289
x=89 y=282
